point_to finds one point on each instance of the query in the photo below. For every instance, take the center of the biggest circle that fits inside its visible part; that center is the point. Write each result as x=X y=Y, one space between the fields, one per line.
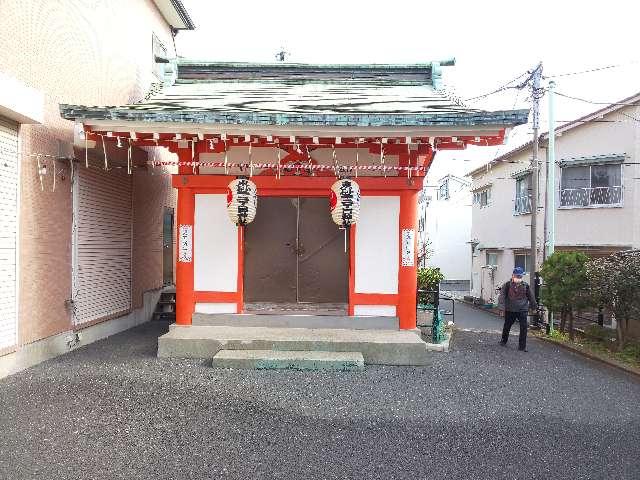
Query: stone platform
x=378 y=347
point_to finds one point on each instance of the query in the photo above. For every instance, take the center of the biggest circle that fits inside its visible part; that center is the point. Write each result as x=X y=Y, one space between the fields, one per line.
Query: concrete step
x=381 y=347
x=295 y=321
x=288 y=360
x=164 y=316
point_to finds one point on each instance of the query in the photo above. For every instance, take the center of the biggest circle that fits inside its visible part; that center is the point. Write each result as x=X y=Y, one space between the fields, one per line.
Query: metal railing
x=522 y=204
x=584 y=197
x=429 y=300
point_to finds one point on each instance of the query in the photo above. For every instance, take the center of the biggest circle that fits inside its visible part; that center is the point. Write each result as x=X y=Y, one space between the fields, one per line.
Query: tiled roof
x=302 y=94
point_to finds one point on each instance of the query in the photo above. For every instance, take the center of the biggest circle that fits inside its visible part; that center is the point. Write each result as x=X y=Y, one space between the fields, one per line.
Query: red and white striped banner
x=292 y=166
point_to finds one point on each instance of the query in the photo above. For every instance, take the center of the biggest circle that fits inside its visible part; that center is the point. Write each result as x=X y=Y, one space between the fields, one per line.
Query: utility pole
x=535 y=96
x=550 y=212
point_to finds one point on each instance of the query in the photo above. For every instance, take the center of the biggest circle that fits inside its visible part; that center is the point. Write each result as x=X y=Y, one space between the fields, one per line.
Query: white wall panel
x=8 y=231
x=375 y=310
x=215 y=245
x=377 y=245
x=216 y=308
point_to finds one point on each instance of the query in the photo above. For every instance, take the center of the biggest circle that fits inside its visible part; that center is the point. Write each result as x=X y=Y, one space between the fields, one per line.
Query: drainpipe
x=551 y=173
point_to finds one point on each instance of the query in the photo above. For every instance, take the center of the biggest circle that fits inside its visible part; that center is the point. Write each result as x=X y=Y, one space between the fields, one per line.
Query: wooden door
x=294 y=253
x=270 y=252
x=323 y=263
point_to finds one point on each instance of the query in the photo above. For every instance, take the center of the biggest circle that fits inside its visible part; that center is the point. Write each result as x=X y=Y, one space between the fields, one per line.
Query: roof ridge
x=239 y=64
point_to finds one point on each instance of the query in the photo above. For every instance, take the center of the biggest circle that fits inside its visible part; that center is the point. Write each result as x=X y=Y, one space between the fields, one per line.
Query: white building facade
x=597 y=197
x=444 y=230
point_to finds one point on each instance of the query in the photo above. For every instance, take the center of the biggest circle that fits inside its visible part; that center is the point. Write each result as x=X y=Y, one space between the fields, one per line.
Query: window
x=443 y=191
x=523 y=195
x=523 y=260
x=492 y=259
x=590 y=185
x=482 y=197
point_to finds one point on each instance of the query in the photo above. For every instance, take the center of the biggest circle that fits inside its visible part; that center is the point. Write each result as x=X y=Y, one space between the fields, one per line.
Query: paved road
x=473 y=318
x=113 y=410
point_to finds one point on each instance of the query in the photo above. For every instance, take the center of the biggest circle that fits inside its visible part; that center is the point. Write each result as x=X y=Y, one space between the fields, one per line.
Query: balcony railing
x=522 y=205
x=585 y=197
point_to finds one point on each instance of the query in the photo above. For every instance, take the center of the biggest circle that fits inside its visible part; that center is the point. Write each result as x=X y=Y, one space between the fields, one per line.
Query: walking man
x=516 y=298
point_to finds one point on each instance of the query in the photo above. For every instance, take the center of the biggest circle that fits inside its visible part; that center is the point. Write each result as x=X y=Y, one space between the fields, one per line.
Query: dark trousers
x=509 y=319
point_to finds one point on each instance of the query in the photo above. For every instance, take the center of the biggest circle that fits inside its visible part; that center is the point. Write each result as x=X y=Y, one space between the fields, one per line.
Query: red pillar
x=352 y=269
x=184 y=269
x=407 y=276
x=240 y=280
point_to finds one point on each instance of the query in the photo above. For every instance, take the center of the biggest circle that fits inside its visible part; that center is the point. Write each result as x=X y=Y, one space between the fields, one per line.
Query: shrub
x=565 y=287
x=614 y=282
x=598 y=332
x=429 y=278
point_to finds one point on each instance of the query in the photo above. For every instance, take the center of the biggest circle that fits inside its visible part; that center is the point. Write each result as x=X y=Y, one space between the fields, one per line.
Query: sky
x=492 y=41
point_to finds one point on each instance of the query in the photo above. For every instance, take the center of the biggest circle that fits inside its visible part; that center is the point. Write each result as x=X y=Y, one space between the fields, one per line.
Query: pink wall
x=79 y=52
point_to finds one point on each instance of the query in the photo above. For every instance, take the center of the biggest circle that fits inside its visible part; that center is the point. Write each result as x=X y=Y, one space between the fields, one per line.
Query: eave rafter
x=414 y=154
x=390 y=145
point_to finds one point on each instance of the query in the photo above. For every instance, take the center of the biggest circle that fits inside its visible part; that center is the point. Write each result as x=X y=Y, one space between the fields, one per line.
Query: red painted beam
x=375 y=298
x=216 y=297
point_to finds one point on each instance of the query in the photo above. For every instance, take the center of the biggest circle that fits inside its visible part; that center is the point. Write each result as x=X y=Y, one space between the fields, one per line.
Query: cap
x=518 y=271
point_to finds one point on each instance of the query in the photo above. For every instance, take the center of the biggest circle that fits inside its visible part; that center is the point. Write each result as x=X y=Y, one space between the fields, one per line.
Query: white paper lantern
x=242 y=201
x=344 y=202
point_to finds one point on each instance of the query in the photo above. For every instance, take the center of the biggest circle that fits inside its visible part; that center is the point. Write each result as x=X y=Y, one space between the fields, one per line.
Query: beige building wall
x=616 y=133
x=77 y=52
x=151 y=194
x=598 y=228
x=497 y=229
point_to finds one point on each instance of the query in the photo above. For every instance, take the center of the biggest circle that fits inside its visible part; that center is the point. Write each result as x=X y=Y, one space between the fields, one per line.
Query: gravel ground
x=113 y=410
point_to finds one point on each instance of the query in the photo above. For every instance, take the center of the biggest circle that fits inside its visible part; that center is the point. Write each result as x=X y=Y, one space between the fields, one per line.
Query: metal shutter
x=102 y=244
x=8 y=231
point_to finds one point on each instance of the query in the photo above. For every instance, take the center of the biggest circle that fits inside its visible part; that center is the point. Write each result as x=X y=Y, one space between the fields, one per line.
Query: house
x=292 y=131
x=81 y=249
x=444 y=226
x=596 y=192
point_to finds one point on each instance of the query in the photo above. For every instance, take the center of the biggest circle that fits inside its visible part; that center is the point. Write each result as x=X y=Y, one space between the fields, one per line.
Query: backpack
x=505 y=288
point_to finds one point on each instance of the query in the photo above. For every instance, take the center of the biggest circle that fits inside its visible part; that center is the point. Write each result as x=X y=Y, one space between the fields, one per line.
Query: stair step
x=288 y=360
x=295 y=321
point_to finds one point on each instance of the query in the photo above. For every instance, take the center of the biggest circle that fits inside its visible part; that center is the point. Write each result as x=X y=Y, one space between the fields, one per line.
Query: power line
x=635 y=102
x=497 y=90
x=633 y=120
x=596 y=69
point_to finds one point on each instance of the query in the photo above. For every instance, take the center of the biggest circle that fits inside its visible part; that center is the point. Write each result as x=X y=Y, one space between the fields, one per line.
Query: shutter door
x=8 y=231
x=102 y=251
